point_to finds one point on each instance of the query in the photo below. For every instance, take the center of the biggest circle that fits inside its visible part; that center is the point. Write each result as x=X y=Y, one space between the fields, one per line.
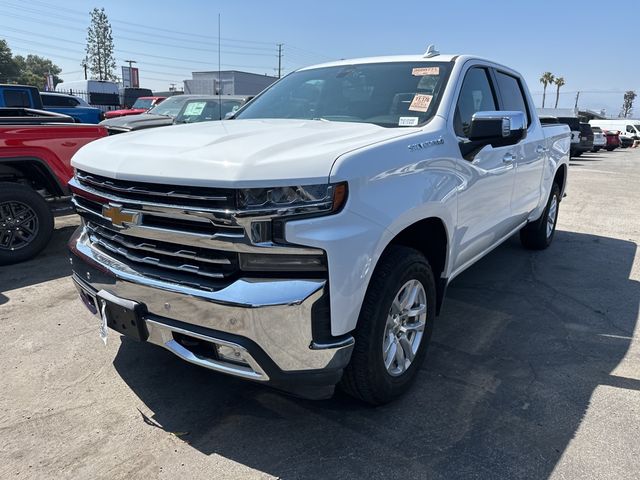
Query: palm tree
x=559 y=81
x=546 y=79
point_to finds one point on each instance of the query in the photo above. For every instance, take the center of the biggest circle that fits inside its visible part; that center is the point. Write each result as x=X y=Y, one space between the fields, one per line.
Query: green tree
x=34 y=69
x=8 y=67
x=100 y=57
x=559 y=81
x=546 y=79
x=627 y=104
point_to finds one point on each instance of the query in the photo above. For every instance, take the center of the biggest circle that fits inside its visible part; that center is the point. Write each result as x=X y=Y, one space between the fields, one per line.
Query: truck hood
x=231 y=153
x=134 y=122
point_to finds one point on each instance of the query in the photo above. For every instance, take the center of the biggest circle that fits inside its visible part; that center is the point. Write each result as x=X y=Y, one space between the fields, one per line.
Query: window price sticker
x=424 y=71
x=420 y=102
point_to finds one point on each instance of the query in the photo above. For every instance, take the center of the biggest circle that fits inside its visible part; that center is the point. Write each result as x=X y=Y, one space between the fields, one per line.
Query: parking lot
x=534 y=372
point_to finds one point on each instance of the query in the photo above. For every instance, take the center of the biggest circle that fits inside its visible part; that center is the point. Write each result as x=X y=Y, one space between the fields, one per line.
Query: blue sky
x=582 y=41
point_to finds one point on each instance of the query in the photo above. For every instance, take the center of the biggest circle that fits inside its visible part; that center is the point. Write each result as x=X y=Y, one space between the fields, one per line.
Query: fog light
x=231 y=354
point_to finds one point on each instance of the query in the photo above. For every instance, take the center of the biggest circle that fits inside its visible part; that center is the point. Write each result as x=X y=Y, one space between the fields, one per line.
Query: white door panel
x=484 y=201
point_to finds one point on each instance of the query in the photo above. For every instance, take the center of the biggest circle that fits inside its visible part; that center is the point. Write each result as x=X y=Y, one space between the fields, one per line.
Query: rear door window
x=511 y=94
x=16 y=98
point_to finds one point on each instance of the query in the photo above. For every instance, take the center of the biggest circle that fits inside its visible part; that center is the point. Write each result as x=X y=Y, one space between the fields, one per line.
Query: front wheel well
x=429 y=237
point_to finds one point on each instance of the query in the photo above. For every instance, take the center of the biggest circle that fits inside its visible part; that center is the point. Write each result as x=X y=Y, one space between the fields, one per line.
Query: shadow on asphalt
x=50 y=264
x=524 y=340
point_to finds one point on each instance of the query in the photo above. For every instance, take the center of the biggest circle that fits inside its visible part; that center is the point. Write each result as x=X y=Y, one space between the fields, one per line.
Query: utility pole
x=577 y=97
x=280 y=59
x=130 y=62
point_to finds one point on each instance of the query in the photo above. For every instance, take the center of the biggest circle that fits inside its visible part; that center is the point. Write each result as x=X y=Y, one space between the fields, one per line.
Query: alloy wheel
x=18 y=225
x=404 y=328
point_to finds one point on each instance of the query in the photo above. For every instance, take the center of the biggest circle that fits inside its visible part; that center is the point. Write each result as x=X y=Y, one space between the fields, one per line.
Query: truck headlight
x=295 y=200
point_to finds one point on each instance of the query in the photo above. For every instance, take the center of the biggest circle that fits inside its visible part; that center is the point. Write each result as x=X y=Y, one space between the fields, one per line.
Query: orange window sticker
x=423 y=71
x=420 y=102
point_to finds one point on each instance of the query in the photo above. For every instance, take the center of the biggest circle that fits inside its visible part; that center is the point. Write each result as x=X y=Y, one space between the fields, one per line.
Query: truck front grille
x=185 y=235
x=192 y=260
x=223 y=198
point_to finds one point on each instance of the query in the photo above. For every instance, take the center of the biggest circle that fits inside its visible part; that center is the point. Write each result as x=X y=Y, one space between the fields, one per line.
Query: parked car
x=586 y=139
x=332 y=211
x=613 y=139
x=73 y=106
x=35 y=153
x=141 y=105
x=599 y=139
x=626 y=141
x=629 y=129
x=183 y=106
x=568 y=116
x=101 y=94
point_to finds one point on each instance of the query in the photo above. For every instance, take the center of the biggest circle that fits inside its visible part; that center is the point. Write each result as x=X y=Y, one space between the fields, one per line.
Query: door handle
x=509 y=158
x=541 y=149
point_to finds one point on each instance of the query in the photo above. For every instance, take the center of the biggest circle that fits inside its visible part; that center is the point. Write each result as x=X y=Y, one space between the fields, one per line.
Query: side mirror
x=229 y=115
x=498 y=129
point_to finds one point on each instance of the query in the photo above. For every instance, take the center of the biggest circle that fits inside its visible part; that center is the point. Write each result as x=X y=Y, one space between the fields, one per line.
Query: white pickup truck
x=308 y=241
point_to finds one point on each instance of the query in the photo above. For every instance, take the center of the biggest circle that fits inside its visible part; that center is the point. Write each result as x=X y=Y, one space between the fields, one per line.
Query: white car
x=599 y=139
x=309 y=240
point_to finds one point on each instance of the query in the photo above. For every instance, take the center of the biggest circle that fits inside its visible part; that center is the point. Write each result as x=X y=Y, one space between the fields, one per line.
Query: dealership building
x=228 y=82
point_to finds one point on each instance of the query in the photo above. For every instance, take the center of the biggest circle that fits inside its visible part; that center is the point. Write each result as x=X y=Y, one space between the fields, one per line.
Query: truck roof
x=384 y=59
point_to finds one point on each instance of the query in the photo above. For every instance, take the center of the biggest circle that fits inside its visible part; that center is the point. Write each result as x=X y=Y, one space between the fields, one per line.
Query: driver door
x=484 y=198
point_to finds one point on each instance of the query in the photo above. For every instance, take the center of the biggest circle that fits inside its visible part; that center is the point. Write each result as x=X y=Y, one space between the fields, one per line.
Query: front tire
x=538 y=235
x=26 y=223
x=394 y=327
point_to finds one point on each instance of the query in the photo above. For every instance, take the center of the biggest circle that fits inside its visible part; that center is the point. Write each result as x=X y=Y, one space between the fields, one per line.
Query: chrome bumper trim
x=162 y=335
x=273 y=313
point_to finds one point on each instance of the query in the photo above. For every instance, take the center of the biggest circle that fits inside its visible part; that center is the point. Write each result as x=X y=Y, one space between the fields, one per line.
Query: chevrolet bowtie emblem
x=118 y=216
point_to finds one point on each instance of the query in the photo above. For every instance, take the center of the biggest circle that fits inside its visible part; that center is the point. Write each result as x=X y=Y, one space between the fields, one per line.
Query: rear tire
x=538 y=235
x=388 y=352
x=26 y=223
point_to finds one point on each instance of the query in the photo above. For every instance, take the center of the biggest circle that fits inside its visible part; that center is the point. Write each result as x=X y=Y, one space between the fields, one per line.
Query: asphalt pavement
x=533 y=372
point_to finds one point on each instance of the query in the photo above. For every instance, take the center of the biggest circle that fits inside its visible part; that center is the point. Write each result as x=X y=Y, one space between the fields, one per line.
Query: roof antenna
x=431 y=52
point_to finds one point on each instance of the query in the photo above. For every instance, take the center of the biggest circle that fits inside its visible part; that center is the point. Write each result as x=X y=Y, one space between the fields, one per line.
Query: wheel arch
x=33 y=170
x=561 y=178
x=430 y=237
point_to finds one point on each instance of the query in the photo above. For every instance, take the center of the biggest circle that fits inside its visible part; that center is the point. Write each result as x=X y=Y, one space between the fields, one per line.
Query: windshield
x=205 y=110
x=398 y=94
x=169 y=107
x=143 y=103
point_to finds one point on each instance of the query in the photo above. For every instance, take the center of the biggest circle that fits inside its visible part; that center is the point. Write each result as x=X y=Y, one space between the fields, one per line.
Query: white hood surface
x=231 y=153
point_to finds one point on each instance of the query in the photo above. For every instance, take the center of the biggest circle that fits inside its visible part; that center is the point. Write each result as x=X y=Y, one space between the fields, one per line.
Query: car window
x=58 y=101
x=476 y=95
x=16 y=98
x=511 y=94
x=630 y=129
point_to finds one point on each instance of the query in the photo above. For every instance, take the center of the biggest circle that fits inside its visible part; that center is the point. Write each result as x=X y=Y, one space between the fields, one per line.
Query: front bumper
x=268 y=320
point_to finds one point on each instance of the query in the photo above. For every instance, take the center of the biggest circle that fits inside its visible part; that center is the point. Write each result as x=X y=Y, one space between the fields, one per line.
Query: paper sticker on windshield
x=420 y=102
x=423 y=71
x=408 y=121
x=194 y=109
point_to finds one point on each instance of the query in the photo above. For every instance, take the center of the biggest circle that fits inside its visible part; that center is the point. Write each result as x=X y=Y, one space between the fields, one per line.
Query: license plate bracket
x=124 y=316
